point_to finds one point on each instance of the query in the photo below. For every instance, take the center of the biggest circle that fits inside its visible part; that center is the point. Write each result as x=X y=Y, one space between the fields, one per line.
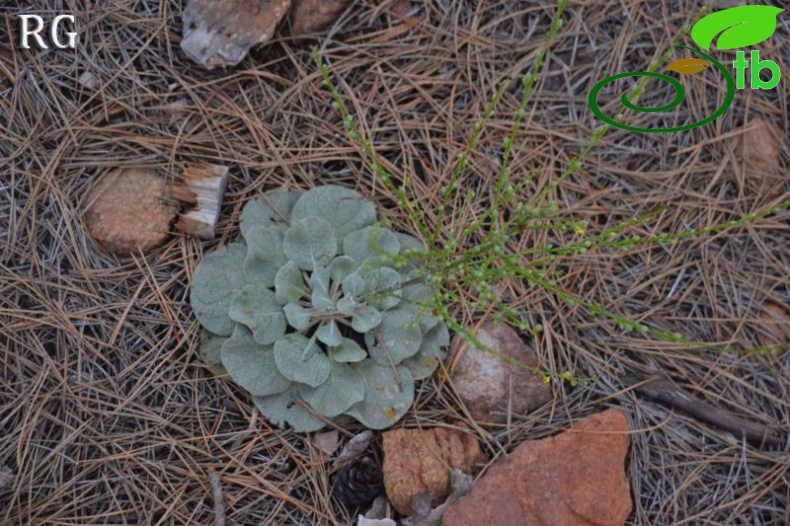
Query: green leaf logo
x=739 y=27
x=688 y=66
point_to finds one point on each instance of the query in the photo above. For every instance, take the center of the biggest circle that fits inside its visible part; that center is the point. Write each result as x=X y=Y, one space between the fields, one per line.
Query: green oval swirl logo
x=680 y=95
x=736 y=27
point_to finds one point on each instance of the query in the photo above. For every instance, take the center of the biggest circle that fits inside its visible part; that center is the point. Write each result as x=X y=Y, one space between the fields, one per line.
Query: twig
x=667 y=392
x=219 y=500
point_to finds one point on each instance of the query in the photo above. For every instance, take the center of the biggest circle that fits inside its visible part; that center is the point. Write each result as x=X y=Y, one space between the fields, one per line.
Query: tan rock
x=419 y=461
x=130 y=210
x=576 y=478
x=487 y=383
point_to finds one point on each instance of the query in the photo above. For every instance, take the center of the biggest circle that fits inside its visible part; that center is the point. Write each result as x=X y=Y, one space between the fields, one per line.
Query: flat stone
x=487 y=383
x=420 y=461
x=576 y=478
x=220 y=33
x=129 y=211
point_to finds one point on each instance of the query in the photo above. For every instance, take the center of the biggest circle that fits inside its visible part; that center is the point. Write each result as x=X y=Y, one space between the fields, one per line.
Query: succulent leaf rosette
x=318 y=307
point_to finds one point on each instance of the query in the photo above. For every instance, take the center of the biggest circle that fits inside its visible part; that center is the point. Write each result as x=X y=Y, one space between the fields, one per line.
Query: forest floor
x=108 y=416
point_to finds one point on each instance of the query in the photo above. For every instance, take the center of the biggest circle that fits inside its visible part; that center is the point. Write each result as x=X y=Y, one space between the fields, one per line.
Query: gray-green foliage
x=317 y=308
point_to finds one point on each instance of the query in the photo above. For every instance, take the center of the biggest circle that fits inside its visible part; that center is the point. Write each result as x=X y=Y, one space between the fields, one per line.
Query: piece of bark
x=221 y=32
x=667 y=392
x=355 y=447
x=202 y=190
x=327 y=442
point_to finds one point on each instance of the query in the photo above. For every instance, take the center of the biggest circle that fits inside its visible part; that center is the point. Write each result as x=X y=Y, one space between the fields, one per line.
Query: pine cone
x=359 y=481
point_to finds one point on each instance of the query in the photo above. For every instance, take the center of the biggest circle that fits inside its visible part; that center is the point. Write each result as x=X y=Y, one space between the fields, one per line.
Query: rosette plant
x=319 y=310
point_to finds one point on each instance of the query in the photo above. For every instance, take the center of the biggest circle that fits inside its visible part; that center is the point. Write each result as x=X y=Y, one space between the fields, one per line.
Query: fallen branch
x=667 y=392
x=219 y=500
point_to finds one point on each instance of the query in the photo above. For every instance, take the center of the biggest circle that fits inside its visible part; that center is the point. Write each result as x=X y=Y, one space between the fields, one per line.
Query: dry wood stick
x=219 y=500
x=202 y=190
x=667 y=392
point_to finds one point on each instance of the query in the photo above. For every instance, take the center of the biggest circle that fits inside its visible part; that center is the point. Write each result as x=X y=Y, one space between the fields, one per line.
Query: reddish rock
x=576 y=478
x=417 y=461
x=130 y=210
x=487 y=384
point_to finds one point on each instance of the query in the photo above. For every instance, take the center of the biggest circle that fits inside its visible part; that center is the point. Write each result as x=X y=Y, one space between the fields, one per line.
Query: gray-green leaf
x=416 y=293
x=415 y=297
x=388 y=395
x=310 y=243
x=341 y=267
x=301 y=360
x=218 y=277
x=425 y=362
x=289 y=285
x=354 y=285
x=251 y=365
x=345 y=209
x=272 y=208
x=264 y=255
x=370 y=243
x=210 y=346
x=348 y=351
x=256 y=307
x=408 y=242
x=346 y=305
x=365 y=319
x=397 y=337
x=319 y=283
x=739 y=27
x=284 y=408
x=329 y=333
x=342 y=389
x=298 y=317
x=384 y=286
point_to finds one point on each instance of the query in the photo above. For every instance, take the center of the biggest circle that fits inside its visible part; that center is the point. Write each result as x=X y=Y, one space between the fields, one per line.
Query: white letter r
x=35 y=33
